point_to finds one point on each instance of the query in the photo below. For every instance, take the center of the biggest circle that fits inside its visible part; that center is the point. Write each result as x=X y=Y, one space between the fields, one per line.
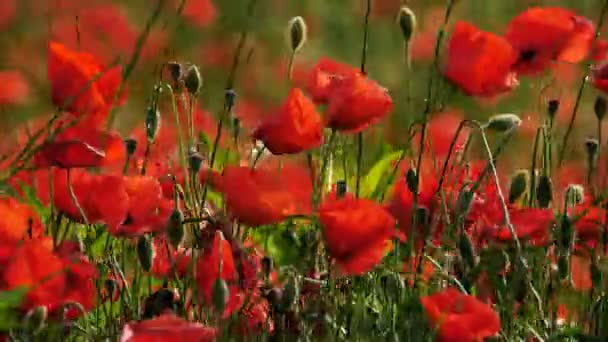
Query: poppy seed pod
x=145 y=252
x=220 y=295
x=152 y=123
x=519 y=185
x=175 y=228
x=296 y=33
x=591 y=146
x=130 y=146
x=503 y=122
x=544 y=191
x=599 y=107
x=193 y=80
x=407 y=22
x=467 y=251
x=36 y=318
x=552 y=108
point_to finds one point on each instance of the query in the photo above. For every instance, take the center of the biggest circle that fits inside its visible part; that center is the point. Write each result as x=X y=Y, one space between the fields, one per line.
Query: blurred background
x=207 y=31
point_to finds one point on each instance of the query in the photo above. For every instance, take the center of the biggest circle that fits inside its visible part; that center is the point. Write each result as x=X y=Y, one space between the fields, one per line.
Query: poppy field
x=282 y=170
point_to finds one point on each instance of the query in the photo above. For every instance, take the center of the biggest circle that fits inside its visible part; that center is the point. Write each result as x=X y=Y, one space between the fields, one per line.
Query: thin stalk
x=533 y=169
x=364 y=72
x=581 y=89
x=74 y=198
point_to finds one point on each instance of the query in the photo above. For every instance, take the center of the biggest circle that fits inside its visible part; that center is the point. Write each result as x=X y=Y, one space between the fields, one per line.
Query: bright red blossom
x=167 y=327
x=357 y=232
x=460 y=317
x=480 y=62
x=295 y=128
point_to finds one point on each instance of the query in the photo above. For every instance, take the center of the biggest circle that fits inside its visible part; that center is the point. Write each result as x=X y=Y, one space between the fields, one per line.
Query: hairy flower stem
x=581 y=88
x=236 y=60
x=364 y=72
x=74 y=198
x=532 y=190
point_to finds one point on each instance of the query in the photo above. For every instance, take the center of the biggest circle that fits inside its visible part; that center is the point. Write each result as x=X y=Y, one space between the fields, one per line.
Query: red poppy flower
x=355 y=102
x=80 y=83
x=103 y=198
x=208 y=271
x=201 y=13
x=599 y=53
x=295 y=128
x=68 y=154
x=460 y=317
x=480 y=62
x=8 y=12
x=33 y=265
x=168 y=262
x=167 y=327
x=266 y=196
x=80 y=276
x=530 y=224
x=544 y=34
x=357 y=233
x=442 y=130
x=599 y=77
x=18 y=222
x=322 y=76
x=14 y=88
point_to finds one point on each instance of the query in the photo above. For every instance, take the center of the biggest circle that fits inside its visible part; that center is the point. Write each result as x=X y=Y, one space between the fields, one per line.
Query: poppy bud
x=393 y=285
x=230 y=98
x=412 y=180
x=236 y=128
x=111 y=288
x=160 y=302
x=552 y=108
x=195 y=161
x=565 y=233
x=291 y=292
x=563 y=267
x=145 y=253
x=407 y=22
x=463 y=202
x=267 y=266
x=275 y=297
x=130 y=146
x=36 y=318
x=503 y=122
x=519 y=185
x=596 y=274
x=575 y=193
x=175 y=228
x=422 y=216
x=296 y=34
x=193 y=80
x=467 y=251
x=152 y=123
x=544 y=191
x=341 y=188
x=176 y=71
x=599 y=107
x=591 y=146
x=220 y=295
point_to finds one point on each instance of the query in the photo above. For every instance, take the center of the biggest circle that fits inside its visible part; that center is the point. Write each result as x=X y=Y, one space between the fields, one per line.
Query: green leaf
x=375 y=180
x=12 y=299
x=281 y=243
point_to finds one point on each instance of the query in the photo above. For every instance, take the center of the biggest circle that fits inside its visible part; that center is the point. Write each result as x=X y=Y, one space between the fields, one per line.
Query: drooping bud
x=596 y=274
x=393 y=285
x=145 y=252
x=407 y=22
x=130 y=146
x=193 y=80
x=599 y=107
x=464 y=201
x=160 y=302
x=111 y=287
x=175 y=228
x=411 y=179
x=195 y=161
x=267 y=266
x=544 y=191
x=296 y=33
x=565 y=234
x=275 y=297
x=220 y=295
x=152 y=123
x=552 y=108
x=519 y=185
x=422 y=216
x=35 y=319
x=575 y=194
x=563 y=266
x=503 y=122
x=341 y=188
